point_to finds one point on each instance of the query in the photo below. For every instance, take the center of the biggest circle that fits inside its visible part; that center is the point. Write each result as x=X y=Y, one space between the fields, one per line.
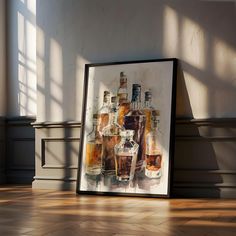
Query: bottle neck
x=135 y=105
x=113 y=116
x=155 y=125
x=106 y=99
x=148 y=104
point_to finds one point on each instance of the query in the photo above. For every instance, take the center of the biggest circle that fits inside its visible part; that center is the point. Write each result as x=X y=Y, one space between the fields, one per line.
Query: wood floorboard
x=24 y=211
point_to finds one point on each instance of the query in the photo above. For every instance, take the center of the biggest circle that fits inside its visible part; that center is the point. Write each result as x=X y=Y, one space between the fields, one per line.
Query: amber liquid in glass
x=123 y=166
x=93 y=158
x=108 y=162
x=124 y=108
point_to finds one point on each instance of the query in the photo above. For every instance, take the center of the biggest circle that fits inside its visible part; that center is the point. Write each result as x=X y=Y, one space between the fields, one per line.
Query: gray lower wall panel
x=56 y=160
x=2 y=151
x=20 y=150
x=204 y=162
x=205 y=158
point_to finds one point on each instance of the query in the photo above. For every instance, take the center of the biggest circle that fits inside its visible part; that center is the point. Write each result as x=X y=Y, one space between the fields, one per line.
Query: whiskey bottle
x=110 y=137
x=147 y=110
x=126 y=156
x=135 y=120
x=154 y=148
x=93 y=161
x=103 y=113
x=122 y=93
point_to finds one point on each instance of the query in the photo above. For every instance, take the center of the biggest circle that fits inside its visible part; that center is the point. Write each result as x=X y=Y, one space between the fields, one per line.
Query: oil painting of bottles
x=127 y=128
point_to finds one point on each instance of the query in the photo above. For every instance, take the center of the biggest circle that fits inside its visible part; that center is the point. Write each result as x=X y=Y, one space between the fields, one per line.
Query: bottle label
x=123 y=83
x=122 y=97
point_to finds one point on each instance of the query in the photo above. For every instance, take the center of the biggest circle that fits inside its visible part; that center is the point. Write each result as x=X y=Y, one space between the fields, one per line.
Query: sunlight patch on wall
x=26 y=73
x=171 y=32
x=224 y=61
x=193 y=43
x=199 y=96
x=31 y=5
x=41 y=90
x=80 y=65
x=56 y=80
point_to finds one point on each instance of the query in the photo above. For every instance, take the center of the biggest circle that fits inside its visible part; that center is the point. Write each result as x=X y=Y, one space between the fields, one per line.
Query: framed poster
x=127 y=136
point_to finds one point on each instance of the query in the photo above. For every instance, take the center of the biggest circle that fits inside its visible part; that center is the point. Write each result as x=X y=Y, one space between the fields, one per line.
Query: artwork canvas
x=127 y=136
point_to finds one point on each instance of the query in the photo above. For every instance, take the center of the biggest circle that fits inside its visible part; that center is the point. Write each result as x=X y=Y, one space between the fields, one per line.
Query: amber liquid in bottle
x=93 y=158
x=124 y=104
x=93 y=161
x=111 y=136
x=154 y=148
x=136 y=120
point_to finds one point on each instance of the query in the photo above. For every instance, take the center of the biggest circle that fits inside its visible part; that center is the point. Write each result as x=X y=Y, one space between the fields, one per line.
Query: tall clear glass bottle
x=147 y=109
x=135 y=120
x=110 y=137
x=126 y=156
x=93 y=162
x=103 y=113
x=153 y=151
x=122 y=93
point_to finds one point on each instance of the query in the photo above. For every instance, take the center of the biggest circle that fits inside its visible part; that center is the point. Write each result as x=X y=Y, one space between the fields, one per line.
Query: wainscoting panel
x=205 y=158
x=2 y=151
x=57 y=149
x=20 y=150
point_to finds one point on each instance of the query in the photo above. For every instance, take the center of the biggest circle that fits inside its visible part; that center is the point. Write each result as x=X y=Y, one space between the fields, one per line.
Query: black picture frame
x=148 y=73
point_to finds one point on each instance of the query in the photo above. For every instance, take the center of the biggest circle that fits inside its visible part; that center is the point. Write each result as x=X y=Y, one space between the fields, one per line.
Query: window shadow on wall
x=103 y=31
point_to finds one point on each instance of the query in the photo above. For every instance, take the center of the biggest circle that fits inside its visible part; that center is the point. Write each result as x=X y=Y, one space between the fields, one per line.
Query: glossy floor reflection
x=24 y=211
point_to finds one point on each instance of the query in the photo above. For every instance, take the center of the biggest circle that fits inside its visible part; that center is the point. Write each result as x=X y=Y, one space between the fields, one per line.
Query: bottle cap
x=106 y=96
x=155 y=112
x=106 y=93
x=136 y=92
x=114 y=99
x=123 y=78
x=95 y=116
x=148 y=95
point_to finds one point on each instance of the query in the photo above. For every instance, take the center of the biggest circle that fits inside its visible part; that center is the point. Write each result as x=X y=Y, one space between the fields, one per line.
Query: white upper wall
x=2 y=58
x=21 y=58
x=201 y=34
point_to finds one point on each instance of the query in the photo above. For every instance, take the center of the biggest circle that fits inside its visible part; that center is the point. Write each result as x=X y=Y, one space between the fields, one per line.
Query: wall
x=20 y=95
x=2 y=89
x=72 y=32
x=2 y=58
x=201 y=34
x=21 y=20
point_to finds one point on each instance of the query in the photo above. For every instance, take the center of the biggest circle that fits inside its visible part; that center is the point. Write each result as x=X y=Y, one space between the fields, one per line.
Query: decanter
x=126 y=156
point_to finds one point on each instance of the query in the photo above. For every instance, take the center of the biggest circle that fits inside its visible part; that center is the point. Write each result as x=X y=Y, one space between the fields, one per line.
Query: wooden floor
x=24 y=211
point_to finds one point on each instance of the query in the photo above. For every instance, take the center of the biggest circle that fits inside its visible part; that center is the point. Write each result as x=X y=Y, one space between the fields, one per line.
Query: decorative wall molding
x=205 y=161
x=2 y=150
x=57 y=149
x=64 y=124
x=62 y=141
